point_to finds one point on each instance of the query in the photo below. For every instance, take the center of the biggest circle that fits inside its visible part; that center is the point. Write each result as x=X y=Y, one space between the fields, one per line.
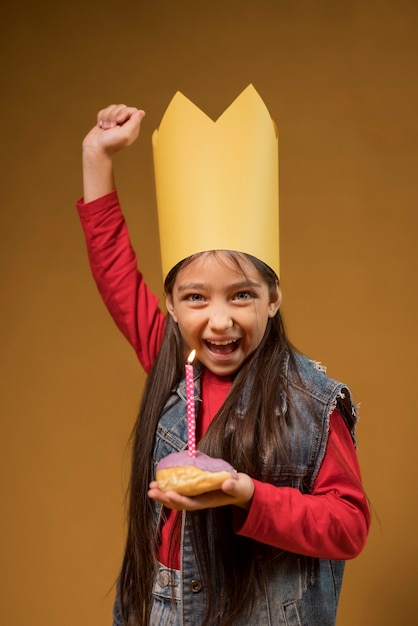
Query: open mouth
x=223 y=347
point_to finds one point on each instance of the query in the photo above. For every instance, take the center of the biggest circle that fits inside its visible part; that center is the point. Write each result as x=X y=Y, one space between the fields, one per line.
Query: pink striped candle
x=191 y=421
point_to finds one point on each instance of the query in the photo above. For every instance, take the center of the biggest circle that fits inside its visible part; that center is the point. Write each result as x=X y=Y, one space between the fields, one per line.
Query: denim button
x=163 y=579
x=196 y=586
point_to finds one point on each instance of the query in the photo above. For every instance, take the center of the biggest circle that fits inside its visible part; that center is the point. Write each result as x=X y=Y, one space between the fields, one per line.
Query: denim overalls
x=301 y=591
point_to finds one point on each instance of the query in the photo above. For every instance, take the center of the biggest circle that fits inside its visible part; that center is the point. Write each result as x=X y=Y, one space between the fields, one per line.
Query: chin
x=220 y=369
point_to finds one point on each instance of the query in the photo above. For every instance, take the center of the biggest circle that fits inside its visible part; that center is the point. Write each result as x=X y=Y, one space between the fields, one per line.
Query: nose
x=219 y=319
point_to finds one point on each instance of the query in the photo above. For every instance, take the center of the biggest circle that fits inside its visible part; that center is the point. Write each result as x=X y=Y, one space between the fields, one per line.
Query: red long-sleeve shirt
x=332 y=522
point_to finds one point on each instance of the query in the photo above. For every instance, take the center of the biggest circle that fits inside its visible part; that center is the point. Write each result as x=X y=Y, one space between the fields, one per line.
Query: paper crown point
x=217 y=181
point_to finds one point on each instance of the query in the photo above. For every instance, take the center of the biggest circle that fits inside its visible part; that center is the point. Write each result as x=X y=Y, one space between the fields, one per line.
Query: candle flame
x=191 y=356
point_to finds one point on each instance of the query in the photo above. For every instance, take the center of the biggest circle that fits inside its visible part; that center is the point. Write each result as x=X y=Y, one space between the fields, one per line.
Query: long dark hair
x=254 y=442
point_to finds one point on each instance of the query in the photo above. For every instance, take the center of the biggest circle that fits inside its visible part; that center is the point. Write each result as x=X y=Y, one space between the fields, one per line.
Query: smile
x=222 y=347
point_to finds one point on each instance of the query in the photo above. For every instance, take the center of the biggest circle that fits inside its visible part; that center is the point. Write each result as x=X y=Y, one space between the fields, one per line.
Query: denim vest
x=301 y=591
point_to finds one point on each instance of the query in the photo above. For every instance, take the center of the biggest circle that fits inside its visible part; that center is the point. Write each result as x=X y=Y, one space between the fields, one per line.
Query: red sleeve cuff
x=98 y=205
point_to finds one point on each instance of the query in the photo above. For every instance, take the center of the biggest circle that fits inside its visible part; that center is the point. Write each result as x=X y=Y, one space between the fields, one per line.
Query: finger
x=229 y=486
x=169 y=499
x=114 y=115
x=105 y=117
x=241 y=490
x=124 y=114
x=133 y=124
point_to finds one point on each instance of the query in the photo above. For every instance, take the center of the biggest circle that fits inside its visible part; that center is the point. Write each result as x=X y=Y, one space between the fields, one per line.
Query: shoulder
x=310 y=375
x=309 y=378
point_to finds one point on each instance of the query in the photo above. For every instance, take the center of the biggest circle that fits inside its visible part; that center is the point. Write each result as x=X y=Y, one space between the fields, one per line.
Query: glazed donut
x=192 y=475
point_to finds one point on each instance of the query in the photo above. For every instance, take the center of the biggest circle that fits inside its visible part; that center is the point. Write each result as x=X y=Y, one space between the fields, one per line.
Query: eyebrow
x=245 y=284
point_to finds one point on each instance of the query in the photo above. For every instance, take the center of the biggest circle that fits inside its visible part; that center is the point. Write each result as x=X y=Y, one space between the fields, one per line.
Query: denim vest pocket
x=287 y=580
x=166 y=593
x=287 y=577
x=171 y=435
x=167 y=584
x=166 y=443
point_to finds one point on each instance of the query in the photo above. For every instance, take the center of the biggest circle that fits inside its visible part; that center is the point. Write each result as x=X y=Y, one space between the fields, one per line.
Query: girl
x=269 y=547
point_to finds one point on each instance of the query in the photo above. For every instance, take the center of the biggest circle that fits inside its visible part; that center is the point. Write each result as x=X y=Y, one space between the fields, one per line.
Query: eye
x=243 y=295
x=194 y=297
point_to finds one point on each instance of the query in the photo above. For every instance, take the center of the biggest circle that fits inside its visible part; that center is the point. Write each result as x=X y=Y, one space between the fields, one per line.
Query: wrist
x=94 y=155
x=98 y=178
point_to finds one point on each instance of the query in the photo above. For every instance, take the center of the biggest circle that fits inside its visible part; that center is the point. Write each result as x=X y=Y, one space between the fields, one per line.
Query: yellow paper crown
x=217 y=181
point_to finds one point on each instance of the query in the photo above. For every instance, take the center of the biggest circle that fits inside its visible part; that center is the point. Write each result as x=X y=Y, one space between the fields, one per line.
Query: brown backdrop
x=340 y=79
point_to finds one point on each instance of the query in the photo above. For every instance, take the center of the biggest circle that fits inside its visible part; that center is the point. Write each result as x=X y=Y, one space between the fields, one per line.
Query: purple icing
x=202 y=461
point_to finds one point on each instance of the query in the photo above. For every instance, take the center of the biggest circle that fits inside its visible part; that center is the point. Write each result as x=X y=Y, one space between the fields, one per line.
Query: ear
x=275 y=301
x=170 y=307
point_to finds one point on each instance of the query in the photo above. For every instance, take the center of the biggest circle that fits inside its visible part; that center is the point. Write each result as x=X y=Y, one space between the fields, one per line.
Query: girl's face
x=221 y=311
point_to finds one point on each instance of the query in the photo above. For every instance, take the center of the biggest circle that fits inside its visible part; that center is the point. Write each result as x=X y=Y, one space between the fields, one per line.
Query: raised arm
x=113 y=261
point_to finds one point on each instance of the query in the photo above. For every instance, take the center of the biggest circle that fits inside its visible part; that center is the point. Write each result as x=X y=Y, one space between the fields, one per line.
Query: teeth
x=222 y=343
